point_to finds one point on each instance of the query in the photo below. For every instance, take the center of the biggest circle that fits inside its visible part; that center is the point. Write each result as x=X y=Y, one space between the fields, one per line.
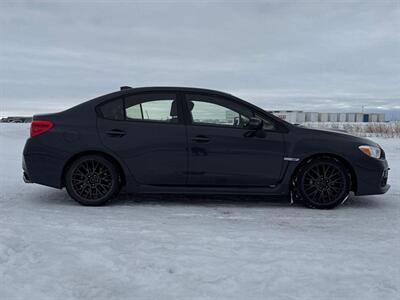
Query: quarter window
x=113 y=110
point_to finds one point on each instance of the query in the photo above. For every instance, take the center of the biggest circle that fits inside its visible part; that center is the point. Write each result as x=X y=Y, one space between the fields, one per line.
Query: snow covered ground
x=163 y=247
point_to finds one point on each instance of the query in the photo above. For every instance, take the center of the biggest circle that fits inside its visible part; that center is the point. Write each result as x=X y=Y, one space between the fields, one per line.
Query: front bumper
x=372 y=176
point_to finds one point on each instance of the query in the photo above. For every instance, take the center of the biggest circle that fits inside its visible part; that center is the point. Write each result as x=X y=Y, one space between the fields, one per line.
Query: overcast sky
x=312 y=55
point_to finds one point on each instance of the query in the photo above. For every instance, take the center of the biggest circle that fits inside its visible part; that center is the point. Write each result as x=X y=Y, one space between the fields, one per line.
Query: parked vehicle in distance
x=195 y=141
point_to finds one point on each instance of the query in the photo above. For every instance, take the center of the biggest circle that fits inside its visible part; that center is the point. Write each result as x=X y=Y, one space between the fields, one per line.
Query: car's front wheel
x=322 y=183
x=92 y=180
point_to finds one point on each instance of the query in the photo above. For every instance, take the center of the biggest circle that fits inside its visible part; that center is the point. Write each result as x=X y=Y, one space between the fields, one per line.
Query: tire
x=322 y=183
x=92 y=180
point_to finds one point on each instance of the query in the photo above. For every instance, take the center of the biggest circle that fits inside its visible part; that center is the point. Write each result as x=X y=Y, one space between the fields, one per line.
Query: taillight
x=39 y=127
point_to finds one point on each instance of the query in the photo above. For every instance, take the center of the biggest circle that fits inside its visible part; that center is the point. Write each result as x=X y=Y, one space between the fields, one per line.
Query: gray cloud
x=289 y=55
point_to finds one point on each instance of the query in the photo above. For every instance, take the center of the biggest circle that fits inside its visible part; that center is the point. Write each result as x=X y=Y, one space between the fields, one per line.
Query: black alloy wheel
x=92 y=180
x=322 y=183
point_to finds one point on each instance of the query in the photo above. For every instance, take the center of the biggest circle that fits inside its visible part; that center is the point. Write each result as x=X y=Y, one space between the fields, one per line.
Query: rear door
x=146 y=131
x=223 y=152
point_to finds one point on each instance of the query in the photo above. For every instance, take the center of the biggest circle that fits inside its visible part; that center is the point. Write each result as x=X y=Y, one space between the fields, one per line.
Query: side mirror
x=255 y=123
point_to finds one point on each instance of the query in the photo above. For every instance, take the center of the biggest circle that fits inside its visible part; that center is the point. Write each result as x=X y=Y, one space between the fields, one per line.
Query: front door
x=222 y=152
x=146 y=131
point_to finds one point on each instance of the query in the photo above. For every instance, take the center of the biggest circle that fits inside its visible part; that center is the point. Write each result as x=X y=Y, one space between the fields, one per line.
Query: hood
x=334 y=130
x=337 y=133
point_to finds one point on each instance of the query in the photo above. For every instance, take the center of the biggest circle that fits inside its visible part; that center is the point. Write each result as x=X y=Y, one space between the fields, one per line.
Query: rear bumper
x=42 y=166
x=372 y=177
x=26 y=178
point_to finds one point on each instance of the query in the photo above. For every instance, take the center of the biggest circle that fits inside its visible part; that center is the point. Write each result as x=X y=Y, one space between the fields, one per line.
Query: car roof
x=131 y=90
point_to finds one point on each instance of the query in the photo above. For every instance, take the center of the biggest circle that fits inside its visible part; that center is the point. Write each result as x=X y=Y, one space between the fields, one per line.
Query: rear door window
x=152 y=107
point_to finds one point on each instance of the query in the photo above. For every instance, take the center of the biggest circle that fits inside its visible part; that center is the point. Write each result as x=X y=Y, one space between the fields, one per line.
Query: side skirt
x=150 y=189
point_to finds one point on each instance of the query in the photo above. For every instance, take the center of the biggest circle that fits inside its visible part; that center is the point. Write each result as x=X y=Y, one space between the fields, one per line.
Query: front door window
x=217 y=111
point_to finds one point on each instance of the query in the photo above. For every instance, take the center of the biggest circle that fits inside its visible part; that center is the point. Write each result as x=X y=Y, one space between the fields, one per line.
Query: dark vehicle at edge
x=195 y=141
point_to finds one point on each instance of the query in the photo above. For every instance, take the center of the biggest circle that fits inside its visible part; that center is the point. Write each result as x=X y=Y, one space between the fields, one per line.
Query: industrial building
x=298 y=116
x=16 y=119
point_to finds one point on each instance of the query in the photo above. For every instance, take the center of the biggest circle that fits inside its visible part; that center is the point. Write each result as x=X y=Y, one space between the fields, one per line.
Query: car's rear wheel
x=322 y=183
x=92 y=180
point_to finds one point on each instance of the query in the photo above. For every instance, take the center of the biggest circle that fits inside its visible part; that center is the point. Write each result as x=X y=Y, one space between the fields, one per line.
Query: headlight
x=371 y=151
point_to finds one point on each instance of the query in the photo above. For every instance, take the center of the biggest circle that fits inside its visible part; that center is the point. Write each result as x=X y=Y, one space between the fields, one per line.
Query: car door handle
x=201 y=139
x=116 y=133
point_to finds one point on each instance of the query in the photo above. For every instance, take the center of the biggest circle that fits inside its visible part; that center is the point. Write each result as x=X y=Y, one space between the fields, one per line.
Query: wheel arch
x=93 y=152
x=346 y=163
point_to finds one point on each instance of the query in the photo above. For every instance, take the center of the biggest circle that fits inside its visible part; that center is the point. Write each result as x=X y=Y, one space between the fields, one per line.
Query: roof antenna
x=125 y=87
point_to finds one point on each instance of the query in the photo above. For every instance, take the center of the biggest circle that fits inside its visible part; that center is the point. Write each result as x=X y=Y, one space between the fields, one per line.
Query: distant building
x=360 y=117
x=297 y=116
x=300 y=117
x=342 y=117
x=312 y=117
x=323 y=117
x=333 y=117
x=287 y=115
x=351 y=117
x=16 y=119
